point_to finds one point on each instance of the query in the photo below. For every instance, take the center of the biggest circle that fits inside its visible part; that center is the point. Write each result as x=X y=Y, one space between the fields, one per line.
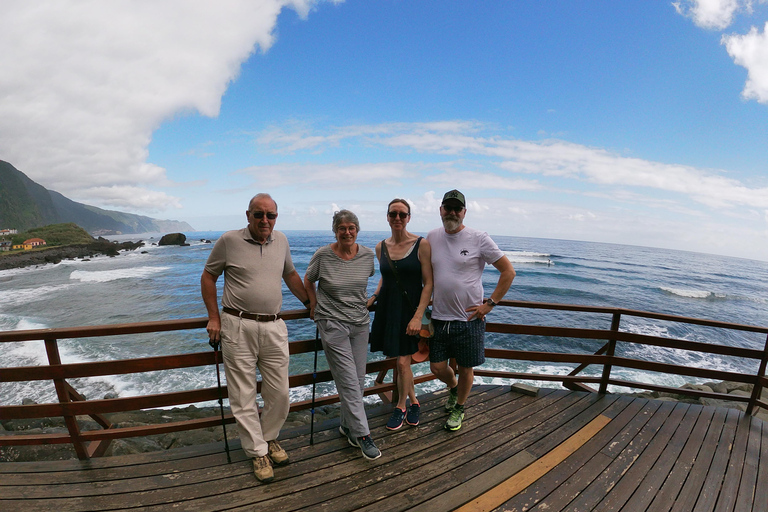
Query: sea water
x=163 y=283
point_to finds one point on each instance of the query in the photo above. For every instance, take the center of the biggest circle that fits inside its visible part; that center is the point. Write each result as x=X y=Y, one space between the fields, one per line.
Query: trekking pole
x=216 y=352
x=314 y=382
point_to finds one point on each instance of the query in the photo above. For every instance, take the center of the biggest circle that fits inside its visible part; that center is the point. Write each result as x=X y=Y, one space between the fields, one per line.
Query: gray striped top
x=342 y=284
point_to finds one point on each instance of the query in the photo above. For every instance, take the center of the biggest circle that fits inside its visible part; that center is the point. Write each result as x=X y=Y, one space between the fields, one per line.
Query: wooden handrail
x=92 y=443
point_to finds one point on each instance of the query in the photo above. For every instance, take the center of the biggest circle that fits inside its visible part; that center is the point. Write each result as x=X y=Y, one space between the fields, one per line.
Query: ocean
x=162 y=283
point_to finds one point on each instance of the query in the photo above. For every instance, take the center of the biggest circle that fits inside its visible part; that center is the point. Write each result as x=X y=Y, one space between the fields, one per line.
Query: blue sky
x=637 y=122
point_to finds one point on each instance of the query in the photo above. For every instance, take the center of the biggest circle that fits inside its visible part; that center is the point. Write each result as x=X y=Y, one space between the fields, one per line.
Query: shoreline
x=171 y=440
x=54 y=255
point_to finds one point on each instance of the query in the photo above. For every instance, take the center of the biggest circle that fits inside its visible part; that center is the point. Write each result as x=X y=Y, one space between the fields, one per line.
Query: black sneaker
x=412 y=418
x=396 y=420
x=368 y=447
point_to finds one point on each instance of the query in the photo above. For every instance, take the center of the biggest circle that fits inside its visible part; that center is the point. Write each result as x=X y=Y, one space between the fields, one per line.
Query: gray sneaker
x=368 y=448
x=346 y=433
x=453 y=396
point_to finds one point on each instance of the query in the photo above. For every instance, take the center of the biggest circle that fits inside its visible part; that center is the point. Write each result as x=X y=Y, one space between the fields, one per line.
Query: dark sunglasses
x=260 y=215
x=394 y=215
x=454 y=209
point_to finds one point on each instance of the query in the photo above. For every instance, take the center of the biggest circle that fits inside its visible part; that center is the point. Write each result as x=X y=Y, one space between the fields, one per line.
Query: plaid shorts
x=461 y=340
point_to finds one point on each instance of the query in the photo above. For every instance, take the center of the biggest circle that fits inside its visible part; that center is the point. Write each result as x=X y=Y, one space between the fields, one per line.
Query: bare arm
x=504 y=266
x=295 y=284
x=309 y=287
x=425 y=257
x=208 y=290
x=375 y=295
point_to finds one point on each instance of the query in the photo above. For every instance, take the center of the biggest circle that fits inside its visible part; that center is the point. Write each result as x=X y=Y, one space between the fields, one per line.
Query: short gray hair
x=345 y=216
x=262 y=195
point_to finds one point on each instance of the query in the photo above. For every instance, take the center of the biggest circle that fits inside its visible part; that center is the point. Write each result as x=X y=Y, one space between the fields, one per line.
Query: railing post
x=610 y=353
x=54 y=358
x=758 y=389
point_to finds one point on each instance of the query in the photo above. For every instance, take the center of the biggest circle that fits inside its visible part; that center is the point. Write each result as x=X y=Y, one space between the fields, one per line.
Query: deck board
x=560 y=450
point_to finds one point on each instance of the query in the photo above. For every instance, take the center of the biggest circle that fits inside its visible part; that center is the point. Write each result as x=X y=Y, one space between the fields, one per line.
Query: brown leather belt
x=251 y=316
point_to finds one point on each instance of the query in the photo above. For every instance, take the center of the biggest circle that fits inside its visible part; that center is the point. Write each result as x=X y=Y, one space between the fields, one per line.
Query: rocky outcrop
x=67 y=252
x=174 y=239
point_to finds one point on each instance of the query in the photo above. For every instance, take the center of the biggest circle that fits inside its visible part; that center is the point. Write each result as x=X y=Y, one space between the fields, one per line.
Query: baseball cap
x=455 y=194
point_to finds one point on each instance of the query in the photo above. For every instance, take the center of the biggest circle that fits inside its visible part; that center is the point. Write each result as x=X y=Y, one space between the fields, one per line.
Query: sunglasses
x=454 y=209
x=394 y=215
x=260 y=215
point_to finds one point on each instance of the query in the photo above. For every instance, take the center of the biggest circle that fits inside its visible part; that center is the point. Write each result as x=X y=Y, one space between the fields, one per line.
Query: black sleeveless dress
x=393 y=312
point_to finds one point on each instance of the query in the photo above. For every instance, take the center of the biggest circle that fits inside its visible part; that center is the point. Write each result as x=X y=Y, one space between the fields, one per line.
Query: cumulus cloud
x=85 y=83
x=751 y=51
x=711 y=14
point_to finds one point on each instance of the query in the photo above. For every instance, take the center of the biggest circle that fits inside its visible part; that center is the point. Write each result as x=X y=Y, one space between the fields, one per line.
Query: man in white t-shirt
x=459 y=256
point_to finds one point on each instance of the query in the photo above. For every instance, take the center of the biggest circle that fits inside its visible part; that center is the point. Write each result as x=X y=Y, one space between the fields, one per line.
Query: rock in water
x=174 y=239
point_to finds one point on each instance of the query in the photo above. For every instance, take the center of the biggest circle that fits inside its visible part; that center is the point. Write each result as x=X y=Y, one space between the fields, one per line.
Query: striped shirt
x=342 y=284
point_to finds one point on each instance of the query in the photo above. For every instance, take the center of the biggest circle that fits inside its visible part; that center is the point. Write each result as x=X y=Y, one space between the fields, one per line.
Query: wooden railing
x=94 y=443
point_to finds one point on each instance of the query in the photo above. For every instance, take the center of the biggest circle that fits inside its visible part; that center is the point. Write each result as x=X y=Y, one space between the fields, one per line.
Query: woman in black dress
x=401 y=298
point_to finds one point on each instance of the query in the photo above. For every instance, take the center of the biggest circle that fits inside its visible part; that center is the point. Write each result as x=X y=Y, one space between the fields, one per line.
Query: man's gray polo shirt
x=253 y=272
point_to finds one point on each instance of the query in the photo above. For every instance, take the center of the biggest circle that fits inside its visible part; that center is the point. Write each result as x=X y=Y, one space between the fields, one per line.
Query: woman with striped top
x=338 y=306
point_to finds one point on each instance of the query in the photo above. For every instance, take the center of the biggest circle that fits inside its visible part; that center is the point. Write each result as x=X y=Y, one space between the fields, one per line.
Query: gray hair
x=345 y=216
x=262 y=195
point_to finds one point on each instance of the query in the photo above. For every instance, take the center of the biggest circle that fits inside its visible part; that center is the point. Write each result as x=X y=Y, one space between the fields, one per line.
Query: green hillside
x=25 y=204
x=56 y=234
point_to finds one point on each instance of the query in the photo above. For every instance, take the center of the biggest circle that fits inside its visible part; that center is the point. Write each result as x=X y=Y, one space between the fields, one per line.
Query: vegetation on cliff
x=56 y=235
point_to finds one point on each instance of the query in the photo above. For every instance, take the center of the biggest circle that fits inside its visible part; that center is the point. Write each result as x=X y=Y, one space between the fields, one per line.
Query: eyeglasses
x=454 y=209
x=260 y=215
x=402 y=215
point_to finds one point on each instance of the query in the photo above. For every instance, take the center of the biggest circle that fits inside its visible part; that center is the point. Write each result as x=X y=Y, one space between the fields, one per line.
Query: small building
x=4 y=232
x=34 y=242
x=5 y=245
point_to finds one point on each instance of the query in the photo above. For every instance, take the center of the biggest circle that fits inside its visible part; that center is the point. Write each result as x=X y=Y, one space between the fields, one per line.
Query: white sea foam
x=692 y=294
x=103 y=276
x=528 y=257
x=28 y=295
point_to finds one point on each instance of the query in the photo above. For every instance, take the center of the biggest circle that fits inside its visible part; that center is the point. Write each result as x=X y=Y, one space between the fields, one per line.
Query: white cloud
x=751 y=51
x=553 y=158
x=85 y=83
x=328 y=175
x=710 y=14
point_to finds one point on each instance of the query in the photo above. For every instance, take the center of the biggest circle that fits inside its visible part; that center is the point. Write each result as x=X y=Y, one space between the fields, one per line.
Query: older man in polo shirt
x=255 y=260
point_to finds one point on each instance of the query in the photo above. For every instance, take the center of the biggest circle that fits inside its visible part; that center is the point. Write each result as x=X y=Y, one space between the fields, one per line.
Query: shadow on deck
x=560 y=450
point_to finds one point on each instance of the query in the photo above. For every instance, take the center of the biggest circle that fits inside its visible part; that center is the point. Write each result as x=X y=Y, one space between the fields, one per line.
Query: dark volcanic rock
x=174 y=239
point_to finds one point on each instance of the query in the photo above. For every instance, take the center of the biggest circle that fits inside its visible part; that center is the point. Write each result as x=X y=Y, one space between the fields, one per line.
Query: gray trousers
x=346 y=349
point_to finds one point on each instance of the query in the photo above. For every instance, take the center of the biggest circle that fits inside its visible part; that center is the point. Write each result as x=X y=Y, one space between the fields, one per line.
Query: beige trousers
x=247 y=345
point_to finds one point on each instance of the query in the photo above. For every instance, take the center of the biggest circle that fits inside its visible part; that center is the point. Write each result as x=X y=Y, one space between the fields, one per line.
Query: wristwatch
x=492 y=303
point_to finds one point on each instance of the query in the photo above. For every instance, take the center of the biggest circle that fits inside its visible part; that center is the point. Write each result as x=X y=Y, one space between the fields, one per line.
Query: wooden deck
x=560 y=450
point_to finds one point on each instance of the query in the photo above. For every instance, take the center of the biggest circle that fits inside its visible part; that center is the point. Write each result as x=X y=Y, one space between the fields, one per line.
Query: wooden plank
x=666 y=496
x=503 y=433
x=630 y=480
x=656 y=474
x=593 y=493
x=730 y=488
x=686 y=498
x=707 y=497
x=466 y=479
x=622 y=411
x=747 y=485
x=603 y=456
x=541 y=466
x=405 y=471
x=206 y=488
x=761 y=498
